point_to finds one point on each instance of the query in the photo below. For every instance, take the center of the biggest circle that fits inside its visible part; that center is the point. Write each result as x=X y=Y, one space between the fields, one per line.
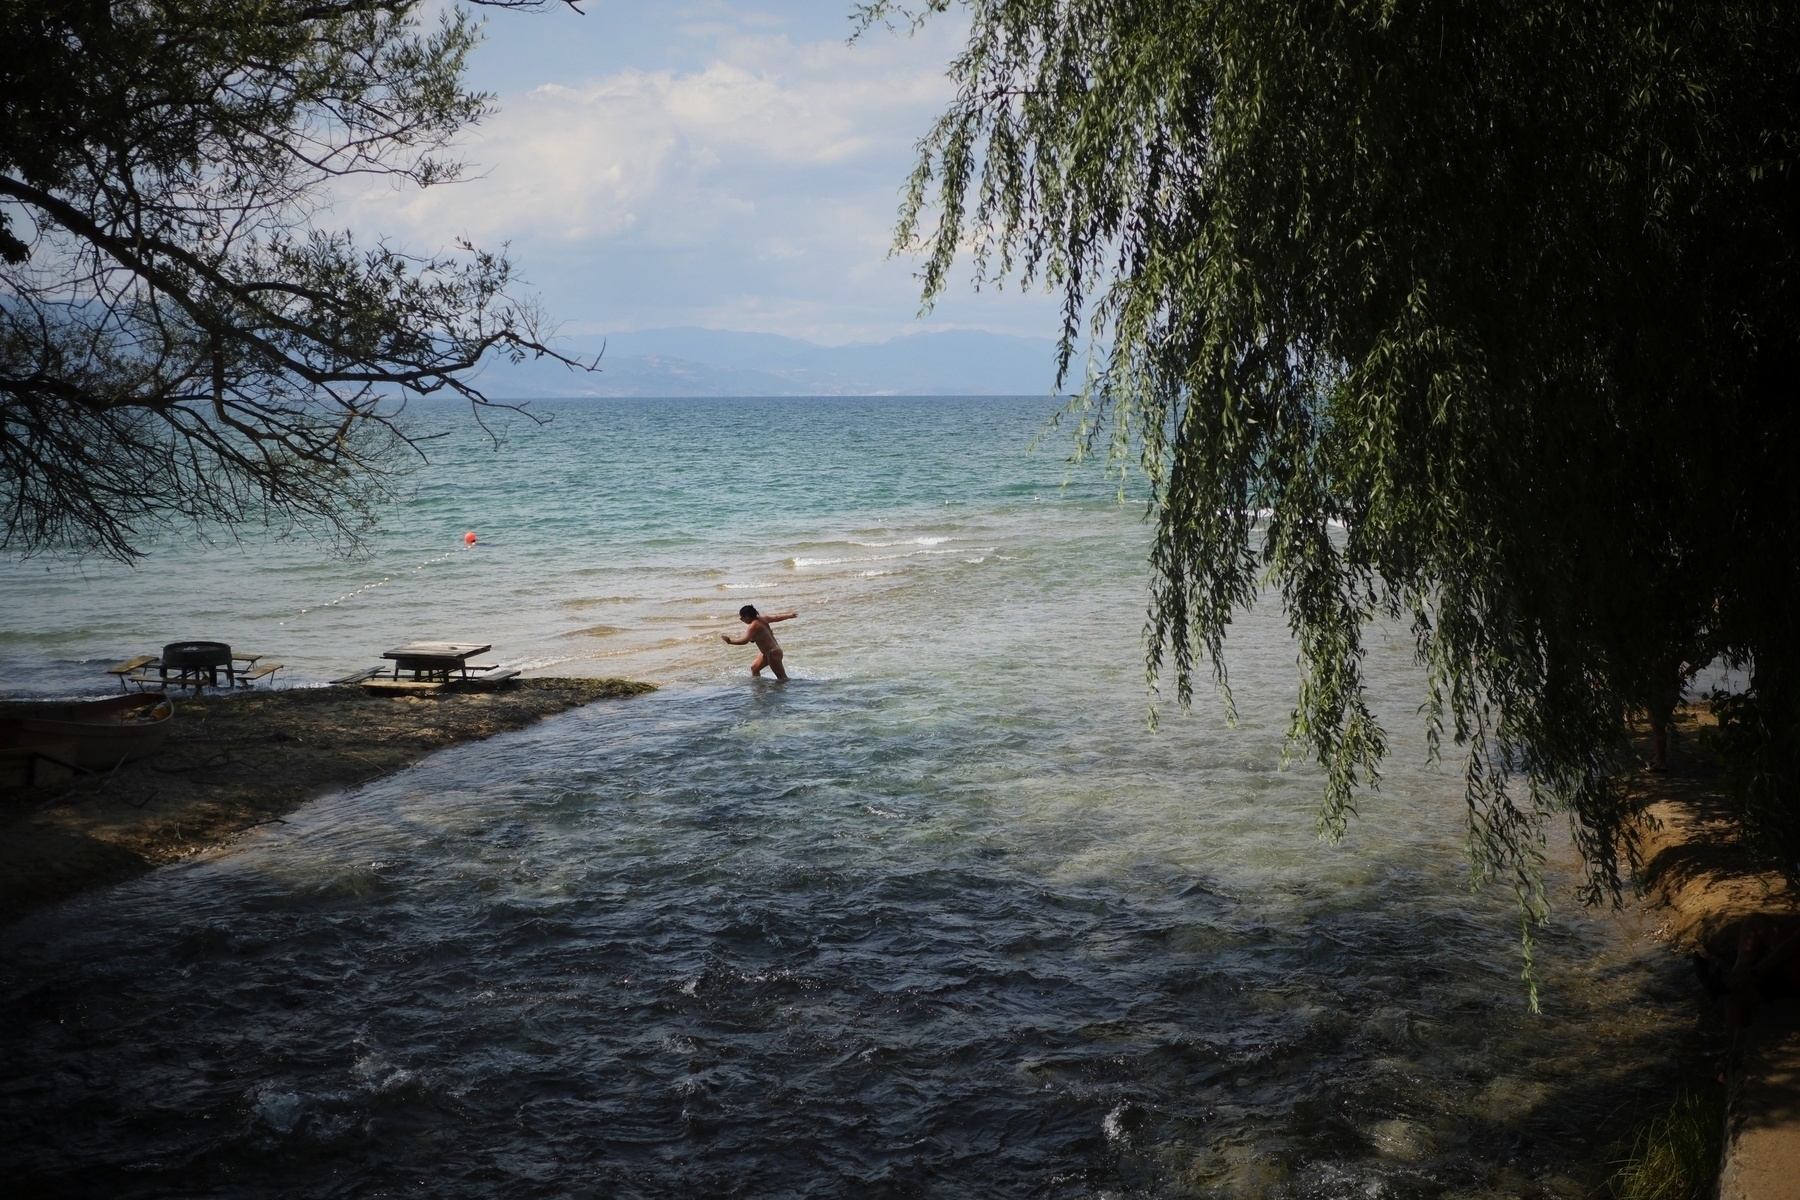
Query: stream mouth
x=705 y=943
x=941 y=917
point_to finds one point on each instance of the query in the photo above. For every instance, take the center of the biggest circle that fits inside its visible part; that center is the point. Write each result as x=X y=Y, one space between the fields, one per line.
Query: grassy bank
x=236 y=761
x=1675 y=1154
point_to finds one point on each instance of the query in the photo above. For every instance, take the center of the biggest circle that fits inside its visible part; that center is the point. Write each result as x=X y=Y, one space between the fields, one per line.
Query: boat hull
x=94 y=736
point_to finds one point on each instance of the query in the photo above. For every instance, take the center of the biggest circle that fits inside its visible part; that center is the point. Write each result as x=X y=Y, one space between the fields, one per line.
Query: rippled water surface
x=939 y=918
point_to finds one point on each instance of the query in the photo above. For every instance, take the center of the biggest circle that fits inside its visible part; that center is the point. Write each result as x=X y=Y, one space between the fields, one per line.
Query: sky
x=721 y=164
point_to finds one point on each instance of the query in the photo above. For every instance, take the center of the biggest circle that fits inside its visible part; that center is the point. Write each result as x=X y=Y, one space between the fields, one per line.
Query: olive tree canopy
x=180 y=339
x=1476 y=314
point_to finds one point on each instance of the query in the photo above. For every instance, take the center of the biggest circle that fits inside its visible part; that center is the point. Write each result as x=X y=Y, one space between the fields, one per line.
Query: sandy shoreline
x=233 y=762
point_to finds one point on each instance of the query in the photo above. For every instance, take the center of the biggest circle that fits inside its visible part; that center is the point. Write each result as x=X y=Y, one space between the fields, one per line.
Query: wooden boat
x=96 y=735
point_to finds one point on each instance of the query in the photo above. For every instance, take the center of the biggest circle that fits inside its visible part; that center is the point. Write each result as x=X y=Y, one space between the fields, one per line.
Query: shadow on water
x=821 y=939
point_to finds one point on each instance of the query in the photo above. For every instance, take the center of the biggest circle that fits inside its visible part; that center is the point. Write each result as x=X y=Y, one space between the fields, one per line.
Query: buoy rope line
x=382 y=582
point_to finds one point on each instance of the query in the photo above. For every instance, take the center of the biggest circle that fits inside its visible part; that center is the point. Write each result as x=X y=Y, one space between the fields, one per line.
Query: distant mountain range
x=718 y=362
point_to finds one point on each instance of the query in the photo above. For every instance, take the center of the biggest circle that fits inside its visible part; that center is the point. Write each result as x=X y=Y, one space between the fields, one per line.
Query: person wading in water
x=764 y=637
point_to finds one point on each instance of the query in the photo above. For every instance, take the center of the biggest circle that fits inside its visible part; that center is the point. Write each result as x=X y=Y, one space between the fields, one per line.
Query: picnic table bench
x=437 y=660
x=433 y=666
x=241 y=670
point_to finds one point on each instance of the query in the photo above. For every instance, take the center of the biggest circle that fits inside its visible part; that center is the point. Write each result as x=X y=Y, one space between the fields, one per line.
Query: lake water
x=941 y=917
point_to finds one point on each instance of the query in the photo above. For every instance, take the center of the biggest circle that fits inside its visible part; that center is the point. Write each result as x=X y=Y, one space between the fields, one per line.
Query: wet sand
x=233 y=762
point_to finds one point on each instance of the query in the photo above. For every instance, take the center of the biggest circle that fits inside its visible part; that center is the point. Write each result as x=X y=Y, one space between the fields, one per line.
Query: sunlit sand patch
x=593 y=631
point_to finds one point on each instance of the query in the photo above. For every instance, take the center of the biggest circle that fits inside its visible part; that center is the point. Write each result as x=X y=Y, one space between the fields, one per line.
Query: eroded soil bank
x=1707 y=888
x=236 y=761
x=1694 y=868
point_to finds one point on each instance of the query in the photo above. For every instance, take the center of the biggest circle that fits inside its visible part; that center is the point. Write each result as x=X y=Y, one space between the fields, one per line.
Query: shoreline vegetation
x=233 y=762
x=1703 y=884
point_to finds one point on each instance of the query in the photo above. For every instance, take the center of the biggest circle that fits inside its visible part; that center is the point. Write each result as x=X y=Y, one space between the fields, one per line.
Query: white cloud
x=656 y=151
x=755 y=188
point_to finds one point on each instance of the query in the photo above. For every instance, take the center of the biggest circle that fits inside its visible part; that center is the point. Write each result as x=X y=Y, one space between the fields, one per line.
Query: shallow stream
x=942 y=917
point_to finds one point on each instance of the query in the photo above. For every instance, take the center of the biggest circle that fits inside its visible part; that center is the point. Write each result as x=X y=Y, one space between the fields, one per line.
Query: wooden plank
x=178 y=679
x=438 y=650
x=493 y=681
x=131 y=664
x=258 y=673
x=359 y=676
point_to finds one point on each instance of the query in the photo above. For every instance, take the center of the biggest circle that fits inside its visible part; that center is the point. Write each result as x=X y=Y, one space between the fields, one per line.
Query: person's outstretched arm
x=773 y=617
x=731 y=641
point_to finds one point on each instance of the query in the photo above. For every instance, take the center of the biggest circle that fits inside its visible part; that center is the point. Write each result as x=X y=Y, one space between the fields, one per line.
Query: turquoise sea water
x=622 y=536
x=941 y=917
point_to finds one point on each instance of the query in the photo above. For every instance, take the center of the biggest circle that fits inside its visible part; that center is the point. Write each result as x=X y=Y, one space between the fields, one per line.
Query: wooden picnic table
x=436 y=660
x=147 y=671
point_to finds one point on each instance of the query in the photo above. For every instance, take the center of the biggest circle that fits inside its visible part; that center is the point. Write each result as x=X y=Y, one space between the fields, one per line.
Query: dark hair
x=748 y=613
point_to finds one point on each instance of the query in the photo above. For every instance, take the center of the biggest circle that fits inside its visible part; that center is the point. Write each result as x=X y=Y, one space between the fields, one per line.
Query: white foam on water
x=802 y=563
x=379 y=583
x=918 y=541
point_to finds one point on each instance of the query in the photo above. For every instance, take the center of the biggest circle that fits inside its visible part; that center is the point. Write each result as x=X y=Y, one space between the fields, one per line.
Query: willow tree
x=180 y=339
x=1478 y=315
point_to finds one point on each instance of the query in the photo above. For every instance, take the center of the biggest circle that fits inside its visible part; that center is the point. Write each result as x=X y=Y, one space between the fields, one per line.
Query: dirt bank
x=1706 y=886
x=236 y=761
x=1694 y=869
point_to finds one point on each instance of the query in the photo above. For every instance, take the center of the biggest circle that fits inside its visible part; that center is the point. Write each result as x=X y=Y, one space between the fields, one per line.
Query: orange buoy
x=469 y=538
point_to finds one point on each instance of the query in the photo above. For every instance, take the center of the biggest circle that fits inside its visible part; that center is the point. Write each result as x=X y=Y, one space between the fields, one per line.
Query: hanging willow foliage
x=1475 y=314
x=180 y=342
